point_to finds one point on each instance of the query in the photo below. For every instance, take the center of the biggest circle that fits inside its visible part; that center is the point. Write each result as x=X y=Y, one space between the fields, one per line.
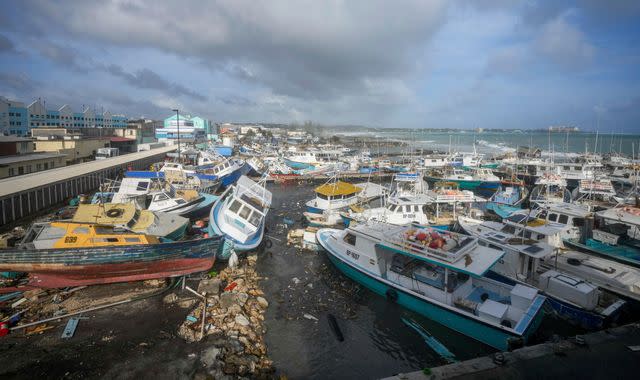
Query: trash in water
x=191 y=318
x=288 y=222
x=310 y=317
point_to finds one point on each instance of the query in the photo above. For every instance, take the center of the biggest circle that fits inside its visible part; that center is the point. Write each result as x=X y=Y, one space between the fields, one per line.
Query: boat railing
x=464 y=244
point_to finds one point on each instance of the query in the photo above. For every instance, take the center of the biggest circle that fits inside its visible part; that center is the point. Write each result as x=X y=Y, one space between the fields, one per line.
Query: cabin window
x=578 y=222
x=132 y=239
x=142 y=186
x=407 y=208
x=527 y=234
x=255 y=218
x=81 y=230
x=509 y=229
x=553 y=217
x=350 y=239
x=235 y=206
x=322 y=196
x=563 y=219
x=244 y=213
x=416 y=208
x=161 y=197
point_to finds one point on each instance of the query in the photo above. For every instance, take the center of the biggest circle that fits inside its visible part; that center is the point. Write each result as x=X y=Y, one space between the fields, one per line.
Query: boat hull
x=484 y=333
x=584 y=318
x=54 y=268
x=623 y=254
x=230 y=244
x=232 y=177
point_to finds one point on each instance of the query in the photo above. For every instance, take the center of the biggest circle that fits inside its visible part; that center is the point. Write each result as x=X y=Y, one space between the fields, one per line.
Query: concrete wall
x=31 y=166
x=77 y=150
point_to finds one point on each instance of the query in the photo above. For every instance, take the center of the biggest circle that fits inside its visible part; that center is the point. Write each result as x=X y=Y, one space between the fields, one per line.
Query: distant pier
x=29 y=194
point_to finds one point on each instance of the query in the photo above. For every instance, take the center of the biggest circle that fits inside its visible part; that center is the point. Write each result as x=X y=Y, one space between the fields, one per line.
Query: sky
x=414 y=64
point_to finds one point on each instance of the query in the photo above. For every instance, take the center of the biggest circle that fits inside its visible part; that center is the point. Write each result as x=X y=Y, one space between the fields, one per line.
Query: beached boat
x=125 y=216
x=439 y=275
x=153 y=195
x=229 y=170
x=62 y=254
x=572 y=297
x=239 y=215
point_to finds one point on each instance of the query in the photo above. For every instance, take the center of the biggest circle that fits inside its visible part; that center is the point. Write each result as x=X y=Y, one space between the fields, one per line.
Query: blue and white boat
x=239 y=214
x=438 y=274
x=229 y=170
x=571 y=296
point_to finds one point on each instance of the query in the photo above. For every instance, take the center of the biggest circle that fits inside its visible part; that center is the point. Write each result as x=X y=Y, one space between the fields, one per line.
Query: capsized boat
x=126 y=217
x=62 y=254
x=573 y=297
x=239 y=215
x=438 y=274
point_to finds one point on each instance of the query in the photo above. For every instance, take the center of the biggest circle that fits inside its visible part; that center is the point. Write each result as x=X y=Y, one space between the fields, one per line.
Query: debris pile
x=232 y=323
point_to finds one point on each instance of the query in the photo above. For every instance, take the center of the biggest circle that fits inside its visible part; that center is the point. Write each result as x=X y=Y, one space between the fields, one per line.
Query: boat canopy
x=627 y=214
x=458 y=252
x=337 y=188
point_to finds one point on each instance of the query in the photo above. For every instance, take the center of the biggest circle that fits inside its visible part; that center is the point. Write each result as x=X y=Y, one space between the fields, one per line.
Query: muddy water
x=376 y=341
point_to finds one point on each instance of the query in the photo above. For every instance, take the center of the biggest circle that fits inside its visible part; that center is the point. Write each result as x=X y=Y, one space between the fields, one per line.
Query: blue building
x=18 y=119
x=192 y=129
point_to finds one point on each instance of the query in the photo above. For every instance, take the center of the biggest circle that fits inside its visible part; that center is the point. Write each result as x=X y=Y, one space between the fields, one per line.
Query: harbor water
x=303 y=288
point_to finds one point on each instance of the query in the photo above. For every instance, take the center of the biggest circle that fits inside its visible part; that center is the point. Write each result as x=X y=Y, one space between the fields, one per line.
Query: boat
x=125 y=216
x=616 y=235
x=571 y=296
x=477 y=179
x=180 y=177
x=437 y=208
x=154 y=195
x=64 y=254
x=239 y=215
x=439 y=275
x=229 y=170
x=335 y=196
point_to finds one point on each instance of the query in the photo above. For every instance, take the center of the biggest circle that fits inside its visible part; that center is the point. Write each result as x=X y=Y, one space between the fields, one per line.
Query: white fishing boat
x=239 y=215
x=573 y=297
x=439 y=275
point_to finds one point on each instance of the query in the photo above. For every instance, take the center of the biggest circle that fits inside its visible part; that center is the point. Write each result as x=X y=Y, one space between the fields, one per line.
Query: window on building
x=20 y=170
x=46 y=165
x=12 y=172
x=11 y=114
x=38 y=167
x=29 y=168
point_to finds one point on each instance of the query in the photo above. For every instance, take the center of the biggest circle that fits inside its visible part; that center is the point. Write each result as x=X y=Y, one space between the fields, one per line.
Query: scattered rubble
x=233 y=328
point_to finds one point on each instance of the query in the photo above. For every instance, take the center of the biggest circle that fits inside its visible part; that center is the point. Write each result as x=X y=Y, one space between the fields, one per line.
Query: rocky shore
x=233 y=329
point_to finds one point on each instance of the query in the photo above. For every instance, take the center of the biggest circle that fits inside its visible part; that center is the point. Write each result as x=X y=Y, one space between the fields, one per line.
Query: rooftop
x=8 y=160
x=13 y=139
x=26 y=182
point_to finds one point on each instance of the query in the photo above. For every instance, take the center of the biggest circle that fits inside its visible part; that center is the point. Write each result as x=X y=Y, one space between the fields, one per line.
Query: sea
x=500 y=142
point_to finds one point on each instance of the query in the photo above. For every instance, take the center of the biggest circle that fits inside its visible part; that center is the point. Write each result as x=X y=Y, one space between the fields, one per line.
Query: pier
x=611 y=353
x=26 y=195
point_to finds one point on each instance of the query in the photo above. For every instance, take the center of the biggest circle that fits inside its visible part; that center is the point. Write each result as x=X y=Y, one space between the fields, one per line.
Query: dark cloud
x=6 y=45
x=21 y=83
x=234 y=100
x=150 y=80
x=63 y=55
x=305 y=49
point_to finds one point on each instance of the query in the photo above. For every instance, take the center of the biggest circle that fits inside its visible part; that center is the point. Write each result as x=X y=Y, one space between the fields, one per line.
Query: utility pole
x=178 y=125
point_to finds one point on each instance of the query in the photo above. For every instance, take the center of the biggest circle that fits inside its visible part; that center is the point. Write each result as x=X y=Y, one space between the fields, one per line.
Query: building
x=142 y=130
x=193 y=129
x=18 y=119
x=74 y=146
x=17 y=157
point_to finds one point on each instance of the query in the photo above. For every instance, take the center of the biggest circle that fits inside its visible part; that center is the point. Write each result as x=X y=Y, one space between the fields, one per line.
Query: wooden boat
x=125 y=216
x=61 y=254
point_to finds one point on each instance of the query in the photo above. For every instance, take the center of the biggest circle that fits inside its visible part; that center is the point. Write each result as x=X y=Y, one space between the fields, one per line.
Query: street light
x=178 y=124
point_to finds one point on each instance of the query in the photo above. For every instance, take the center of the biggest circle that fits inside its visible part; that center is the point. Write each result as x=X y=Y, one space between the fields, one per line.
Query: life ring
x=392 y=295
x=268 y=243
x=114 y=212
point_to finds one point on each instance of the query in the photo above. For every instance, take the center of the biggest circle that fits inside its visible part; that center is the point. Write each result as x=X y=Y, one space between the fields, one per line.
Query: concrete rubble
x=234 y=324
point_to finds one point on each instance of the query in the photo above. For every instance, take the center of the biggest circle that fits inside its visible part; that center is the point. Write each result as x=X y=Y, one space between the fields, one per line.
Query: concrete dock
x=29 y=194
x=609 y=354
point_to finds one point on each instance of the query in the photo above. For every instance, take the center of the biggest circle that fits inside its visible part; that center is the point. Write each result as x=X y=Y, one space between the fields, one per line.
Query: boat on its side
x=438 y=274
x=239 y=215
x=125 y=216
x=62 y=254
